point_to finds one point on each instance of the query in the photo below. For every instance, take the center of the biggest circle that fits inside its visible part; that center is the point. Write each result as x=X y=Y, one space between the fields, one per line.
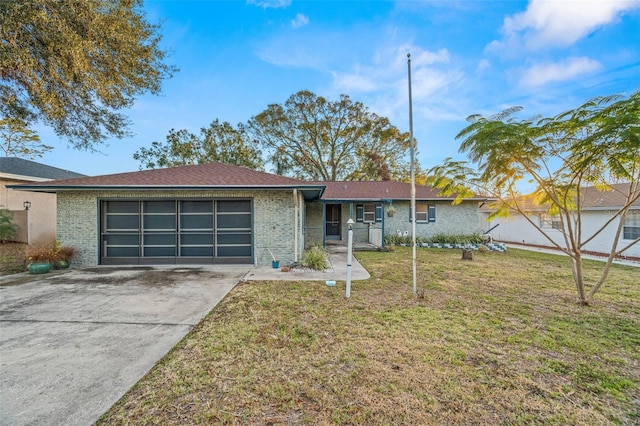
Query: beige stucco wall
x=274 y=217
x=41 y=217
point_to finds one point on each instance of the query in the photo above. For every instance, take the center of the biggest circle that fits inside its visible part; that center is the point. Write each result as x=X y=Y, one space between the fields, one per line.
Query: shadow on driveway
x=71 y=344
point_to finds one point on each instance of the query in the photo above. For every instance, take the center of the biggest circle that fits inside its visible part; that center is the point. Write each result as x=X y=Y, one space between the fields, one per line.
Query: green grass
x=499 y=340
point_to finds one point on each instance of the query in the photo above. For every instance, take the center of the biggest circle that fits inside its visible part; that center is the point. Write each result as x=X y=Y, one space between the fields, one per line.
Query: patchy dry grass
x=499 y=340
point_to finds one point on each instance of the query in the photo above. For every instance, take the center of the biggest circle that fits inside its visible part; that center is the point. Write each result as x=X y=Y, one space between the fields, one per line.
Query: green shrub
x=456 y=239
x=315 y=258
x=393 y=239
x=7 y=229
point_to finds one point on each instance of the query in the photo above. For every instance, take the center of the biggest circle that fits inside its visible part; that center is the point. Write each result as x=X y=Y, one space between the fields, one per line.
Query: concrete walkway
x=337 y=271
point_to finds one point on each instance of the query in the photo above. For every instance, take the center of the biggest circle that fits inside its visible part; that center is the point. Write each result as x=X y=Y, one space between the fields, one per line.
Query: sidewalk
x=337 y=270
x=584 y=256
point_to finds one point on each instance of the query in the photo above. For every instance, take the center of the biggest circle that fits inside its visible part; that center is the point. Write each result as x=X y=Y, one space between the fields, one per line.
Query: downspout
x=383 y=219
x=295 y=225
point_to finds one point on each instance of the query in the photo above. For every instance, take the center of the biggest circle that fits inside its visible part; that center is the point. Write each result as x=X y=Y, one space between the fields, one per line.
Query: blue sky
x=237 y=57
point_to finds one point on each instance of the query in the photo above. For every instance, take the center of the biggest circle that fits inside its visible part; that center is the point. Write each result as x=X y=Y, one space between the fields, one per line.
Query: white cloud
x=299 y=21
x=541 y=74
x=273 y=4
x=483 y=65
x=558 y=22
x=419 y=57
x=353 y=82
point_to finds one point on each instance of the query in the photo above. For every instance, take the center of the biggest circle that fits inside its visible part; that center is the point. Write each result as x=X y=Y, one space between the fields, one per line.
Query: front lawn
x=496 y=340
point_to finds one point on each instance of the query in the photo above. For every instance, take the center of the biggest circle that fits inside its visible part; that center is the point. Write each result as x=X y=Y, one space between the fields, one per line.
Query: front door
x=333 y=225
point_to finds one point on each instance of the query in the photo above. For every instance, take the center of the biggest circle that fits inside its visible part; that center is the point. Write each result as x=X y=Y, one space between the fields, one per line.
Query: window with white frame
x=631 y=227
x=369 y=213
x=548 y=221
x=425 y=212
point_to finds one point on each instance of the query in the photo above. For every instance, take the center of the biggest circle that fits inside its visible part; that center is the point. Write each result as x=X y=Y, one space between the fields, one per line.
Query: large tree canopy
x=75 y=64
x=309 y=137
x=220 y=142
x=593 y=145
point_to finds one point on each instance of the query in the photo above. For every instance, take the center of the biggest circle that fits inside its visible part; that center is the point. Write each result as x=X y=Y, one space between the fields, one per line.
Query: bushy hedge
x=391 y=239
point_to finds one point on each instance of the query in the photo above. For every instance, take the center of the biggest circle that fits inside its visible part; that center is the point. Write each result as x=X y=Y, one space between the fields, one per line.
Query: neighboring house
x=33 y=212
x=598 y=208
x=224 y=214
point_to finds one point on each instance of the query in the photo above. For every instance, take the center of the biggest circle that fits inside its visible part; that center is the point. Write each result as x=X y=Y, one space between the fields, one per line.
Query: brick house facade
x=224 y=214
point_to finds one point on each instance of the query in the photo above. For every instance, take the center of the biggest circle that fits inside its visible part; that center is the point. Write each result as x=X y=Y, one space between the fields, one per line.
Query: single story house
x=598 y=207
x=34 y=213
x=223 y=214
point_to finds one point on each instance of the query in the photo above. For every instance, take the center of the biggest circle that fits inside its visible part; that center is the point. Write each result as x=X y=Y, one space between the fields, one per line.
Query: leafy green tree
x=593 y=145
x=309 y=137
x=17 y=140
x=220 y=142
x=75 y=64
x=7 y=228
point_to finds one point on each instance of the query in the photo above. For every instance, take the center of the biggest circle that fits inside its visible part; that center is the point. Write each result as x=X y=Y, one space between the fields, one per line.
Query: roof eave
x=310 y=190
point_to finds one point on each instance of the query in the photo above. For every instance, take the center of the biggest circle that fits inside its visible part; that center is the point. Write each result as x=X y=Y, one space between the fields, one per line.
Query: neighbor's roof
x=200 y=176
x=592 y=199
x=595 y=199
x=20 y=169
x=381 y=190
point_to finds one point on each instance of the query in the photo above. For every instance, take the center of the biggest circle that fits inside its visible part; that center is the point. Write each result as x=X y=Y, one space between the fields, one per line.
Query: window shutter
x=431 y=209
x=359 y=213
x=378 y=212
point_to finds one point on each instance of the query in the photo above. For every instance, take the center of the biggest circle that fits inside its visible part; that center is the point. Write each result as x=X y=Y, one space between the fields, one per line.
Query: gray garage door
x=176 y=231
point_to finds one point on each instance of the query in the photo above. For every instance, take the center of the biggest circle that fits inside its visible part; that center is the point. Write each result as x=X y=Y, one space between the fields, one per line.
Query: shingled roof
x=200 y=176
x=595 y=199
x=381 y=190
x=26 y=169
x=592 y=199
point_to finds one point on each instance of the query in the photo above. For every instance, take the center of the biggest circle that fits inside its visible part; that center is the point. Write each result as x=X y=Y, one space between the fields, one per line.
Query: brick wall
x=459 y=219
x=78 y=222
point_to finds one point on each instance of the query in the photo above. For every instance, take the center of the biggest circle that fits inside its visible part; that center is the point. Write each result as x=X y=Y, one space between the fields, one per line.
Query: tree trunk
x=467 y=254
x=578 y=278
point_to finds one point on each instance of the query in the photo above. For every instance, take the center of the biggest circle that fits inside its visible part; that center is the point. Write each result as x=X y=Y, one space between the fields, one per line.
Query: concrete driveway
x=72 y=343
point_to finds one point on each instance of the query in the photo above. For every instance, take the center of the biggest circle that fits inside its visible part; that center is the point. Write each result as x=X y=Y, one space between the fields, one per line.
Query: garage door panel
x=234 y=238
x=196 y=221
x=196 y=251
x=196 y=239
x=196 y=206
x=115 y=251
x=237 y=221
x=159 y=222
x=234 y=251
x=154 y=251
x=122 y=222
x=234 y=206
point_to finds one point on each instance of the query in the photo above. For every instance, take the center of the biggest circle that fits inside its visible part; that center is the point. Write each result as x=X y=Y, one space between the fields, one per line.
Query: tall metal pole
x=413 y=182
x=349 y=258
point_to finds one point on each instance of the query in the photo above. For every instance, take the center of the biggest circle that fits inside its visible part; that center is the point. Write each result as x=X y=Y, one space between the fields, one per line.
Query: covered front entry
x=333 y=225
x=176 y=231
